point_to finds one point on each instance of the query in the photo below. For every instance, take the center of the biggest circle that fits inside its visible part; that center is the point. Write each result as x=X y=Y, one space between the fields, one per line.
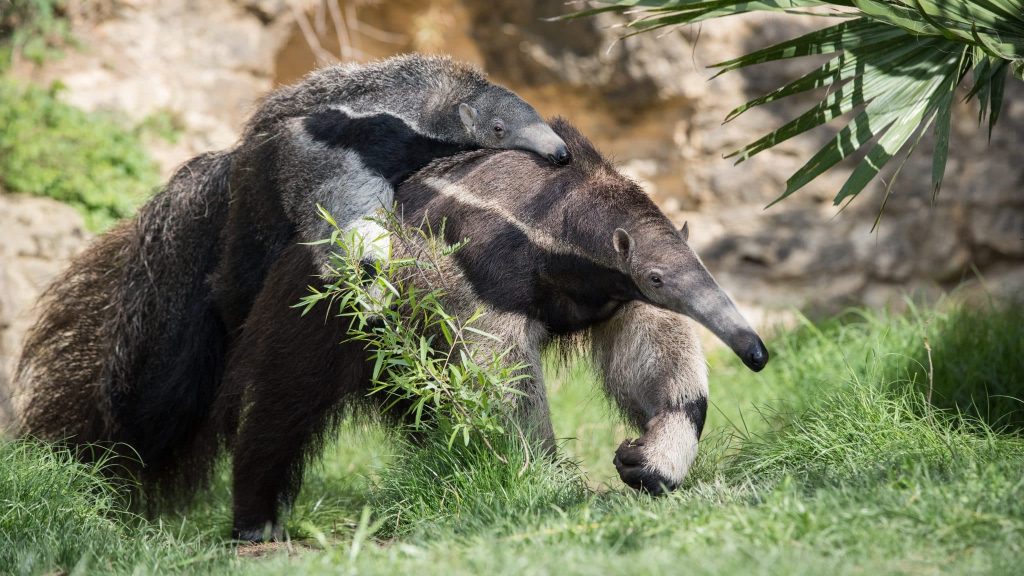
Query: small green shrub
x=443 y=371
x=33 y=29
x=92 y=162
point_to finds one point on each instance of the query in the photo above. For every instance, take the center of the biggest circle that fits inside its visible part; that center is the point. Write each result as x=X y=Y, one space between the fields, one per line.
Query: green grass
x=830 y=461
x=91 y=161
x=56 y=512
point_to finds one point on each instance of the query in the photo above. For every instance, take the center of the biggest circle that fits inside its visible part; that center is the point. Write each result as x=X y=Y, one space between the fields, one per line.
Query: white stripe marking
x=546 y=241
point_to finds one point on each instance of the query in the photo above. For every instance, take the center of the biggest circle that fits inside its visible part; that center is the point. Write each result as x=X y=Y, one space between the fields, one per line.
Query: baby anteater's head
x=497 y=118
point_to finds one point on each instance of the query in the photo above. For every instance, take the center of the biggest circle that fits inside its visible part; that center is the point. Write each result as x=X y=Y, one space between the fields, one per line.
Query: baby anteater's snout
x=560 y=156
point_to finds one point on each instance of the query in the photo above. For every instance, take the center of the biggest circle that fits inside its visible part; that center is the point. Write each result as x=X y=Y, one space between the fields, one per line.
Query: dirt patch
x=268 y=549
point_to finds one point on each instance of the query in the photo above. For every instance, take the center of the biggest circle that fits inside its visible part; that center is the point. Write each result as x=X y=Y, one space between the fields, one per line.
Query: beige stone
x=647 y=101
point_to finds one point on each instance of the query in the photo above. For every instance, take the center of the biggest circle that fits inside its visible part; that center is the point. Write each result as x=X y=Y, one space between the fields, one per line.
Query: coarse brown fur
x=129 y=347
x=133 y=337
x=342 y=139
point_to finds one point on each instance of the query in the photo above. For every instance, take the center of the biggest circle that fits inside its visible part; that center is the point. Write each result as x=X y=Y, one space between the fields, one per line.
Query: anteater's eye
x=499 y=129
x=655 y=279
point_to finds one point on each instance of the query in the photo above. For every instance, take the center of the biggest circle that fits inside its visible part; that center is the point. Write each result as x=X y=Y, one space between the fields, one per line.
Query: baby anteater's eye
x=655 y=279
x=499 y=128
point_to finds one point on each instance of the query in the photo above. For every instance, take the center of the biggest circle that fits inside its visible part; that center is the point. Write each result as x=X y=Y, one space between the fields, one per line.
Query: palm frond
x=894 y=68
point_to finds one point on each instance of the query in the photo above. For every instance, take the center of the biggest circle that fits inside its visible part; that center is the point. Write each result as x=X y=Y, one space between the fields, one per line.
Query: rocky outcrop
x=39 y=238
x=648 y=101
x=203 y=64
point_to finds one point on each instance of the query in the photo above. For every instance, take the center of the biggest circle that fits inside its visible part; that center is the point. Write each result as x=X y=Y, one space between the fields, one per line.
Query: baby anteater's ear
x=684 y=232
x=623 y=244
x=468 y=115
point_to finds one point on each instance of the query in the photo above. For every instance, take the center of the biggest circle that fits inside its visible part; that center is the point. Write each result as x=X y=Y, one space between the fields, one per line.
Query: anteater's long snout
x=697 y=295
x=726 y=322
x=754 y=354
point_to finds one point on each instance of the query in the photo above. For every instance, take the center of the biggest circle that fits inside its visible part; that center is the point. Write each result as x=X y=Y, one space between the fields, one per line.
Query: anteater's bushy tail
x=129 y=348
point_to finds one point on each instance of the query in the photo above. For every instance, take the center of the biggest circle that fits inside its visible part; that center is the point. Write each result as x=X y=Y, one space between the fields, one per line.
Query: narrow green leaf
x=897 y=15
x=981 y=72
x=947 y=29
x=888 y=145
x=326 y=215
x=701 y=11
x=387 y=284
x=889 y=185
x=944 y=116
x=996 y=97
x=482 y=333
x=447 y=333
x=861 y=33
x=846 y=97
x=996 y=48
x=378 y=364
x=847 y=141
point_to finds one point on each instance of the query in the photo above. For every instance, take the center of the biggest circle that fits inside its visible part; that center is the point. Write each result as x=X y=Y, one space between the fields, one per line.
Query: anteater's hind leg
x=293 y=375
x=521 y=339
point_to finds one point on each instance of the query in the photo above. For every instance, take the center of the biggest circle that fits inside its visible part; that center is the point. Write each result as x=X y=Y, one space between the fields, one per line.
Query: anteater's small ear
x=468 y=115
x=623 y=244
x=684 y=232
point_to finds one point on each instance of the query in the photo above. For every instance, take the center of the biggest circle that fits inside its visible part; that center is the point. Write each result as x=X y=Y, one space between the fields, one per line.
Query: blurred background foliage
x=95 y=162
x=90 y=161
x=32 y=29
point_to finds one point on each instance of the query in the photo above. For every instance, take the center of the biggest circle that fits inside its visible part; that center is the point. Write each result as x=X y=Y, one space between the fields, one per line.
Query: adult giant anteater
x=553 y=252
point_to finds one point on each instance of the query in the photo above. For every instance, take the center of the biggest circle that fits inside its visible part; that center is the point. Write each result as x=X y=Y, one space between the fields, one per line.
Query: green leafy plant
x=894 y=69
x=439 y=368
x=33 y=29
x=90 y=161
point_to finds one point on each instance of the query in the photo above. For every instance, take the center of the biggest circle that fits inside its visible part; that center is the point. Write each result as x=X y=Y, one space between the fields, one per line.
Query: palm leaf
x=894 y=66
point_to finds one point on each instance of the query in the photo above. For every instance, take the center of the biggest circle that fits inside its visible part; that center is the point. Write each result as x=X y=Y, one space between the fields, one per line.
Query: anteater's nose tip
x=560 y=156
x=756 y=357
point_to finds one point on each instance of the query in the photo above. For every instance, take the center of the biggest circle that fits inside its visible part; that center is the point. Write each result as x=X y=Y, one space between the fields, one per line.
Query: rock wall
x=39 y=237
x=648 y=101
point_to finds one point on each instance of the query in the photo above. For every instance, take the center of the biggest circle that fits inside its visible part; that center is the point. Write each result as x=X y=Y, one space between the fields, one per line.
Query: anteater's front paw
x=637 y=473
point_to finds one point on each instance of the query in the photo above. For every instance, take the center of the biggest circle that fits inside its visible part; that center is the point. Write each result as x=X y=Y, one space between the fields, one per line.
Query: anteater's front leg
x=292 y=373
x=654 y=369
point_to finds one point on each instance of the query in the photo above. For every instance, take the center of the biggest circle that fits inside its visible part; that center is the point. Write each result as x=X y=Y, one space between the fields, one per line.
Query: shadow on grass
x=977 y=363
